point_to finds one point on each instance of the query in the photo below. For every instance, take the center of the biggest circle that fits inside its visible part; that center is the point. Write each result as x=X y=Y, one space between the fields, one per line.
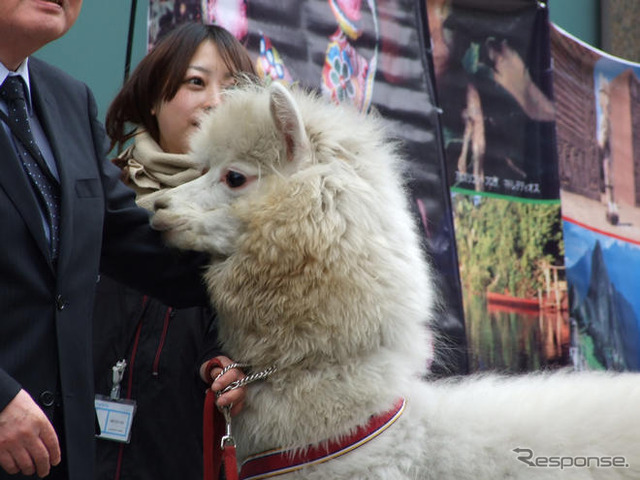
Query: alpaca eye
x=234 y=179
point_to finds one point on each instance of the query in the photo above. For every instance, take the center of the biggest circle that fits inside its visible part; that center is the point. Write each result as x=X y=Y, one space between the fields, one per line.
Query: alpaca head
x=304 y=214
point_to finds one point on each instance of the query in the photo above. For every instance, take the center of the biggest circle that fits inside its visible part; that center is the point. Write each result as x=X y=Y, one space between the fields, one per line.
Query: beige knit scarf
x=149 y=170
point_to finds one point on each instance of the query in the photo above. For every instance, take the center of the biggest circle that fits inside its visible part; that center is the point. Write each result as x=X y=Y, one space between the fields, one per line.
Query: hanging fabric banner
x=493 y=79
x=371 y=53
x=598 y=129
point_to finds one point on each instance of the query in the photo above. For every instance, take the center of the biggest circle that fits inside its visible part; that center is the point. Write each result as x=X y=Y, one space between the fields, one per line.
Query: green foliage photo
x=504 y=245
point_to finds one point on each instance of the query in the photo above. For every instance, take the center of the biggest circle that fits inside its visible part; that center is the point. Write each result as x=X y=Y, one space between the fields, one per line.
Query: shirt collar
x=23 y=71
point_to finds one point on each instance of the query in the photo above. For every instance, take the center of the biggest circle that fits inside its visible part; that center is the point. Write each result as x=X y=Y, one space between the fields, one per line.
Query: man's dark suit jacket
x=45 y=312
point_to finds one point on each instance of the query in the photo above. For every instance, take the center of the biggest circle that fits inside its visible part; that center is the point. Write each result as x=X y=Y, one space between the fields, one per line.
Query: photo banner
x=598 y=134
x=374 y=54
x=493 y=78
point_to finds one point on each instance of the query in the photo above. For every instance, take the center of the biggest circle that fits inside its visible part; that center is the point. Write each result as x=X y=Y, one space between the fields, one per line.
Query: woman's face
x=205 y=79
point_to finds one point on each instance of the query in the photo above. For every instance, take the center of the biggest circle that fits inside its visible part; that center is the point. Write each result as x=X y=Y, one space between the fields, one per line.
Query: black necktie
x=47 y=189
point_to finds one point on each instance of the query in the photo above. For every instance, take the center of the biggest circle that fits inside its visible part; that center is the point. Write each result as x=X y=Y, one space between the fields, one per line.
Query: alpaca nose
x=160 y=203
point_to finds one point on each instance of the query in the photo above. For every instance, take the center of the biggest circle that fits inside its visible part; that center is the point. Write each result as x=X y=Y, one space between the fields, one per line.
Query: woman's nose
x=213 y=100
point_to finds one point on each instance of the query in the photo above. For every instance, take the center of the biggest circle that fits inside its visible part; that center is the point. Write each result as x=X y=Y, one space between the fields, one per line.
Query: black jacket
x=163 y=348
x=46 y=328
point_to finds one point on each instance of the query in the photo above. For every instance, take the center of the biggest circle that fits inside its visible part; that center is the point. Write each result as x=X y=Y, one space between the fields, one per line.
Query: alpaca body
x=317 y=268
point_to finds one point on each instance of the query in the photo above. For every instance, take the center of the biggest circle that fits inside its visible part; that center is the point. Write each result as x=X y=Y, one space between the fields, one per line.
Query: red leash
x=218 y=445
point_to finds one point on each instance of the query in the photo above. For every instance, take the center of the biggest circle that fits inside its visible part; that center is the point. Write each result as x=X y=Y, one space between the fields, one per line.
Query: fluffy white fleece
x=317 y=268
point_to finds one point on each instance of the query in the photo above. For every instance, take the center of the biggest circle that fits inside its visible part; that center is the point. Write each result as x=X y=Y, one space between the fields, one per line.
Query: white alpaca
x=317 y=269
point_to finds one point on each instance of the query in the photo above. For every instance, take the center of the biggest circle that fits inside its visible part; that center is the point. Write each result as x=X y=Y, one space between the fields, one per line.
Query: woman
x=164 y=349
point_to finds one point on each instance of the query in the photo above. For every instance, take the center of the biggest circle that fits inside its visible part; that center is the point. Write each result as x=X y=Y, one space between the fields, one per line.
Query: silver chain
x=227 y=439
x=250 y=378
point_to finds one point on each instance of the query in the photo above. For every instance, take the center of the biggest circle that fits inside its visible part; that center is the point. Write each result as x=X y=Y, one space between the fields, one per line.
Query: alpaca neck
x=295 y=407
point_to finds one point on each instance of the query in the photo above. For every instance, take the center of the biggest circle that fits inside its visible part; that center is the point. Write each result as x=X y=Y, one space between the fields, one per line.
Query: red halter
x=278 y=462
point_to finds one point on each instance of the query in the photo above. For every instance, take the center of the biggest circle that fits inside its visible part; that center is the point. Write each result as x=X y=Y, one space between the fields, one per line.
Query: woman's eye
x=234 y=179
x=195 y=81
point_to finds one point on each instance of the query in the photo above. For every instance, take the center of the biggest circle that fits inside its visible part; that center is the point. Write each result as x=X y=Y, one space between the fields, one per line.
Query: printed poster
x=598 y=120
x=492 y=75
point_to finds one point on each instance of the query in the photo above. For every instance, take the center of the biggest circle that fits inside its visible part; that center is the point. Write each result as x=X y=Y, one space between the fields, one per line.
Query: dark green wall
x=581 y=18
x=94 y=50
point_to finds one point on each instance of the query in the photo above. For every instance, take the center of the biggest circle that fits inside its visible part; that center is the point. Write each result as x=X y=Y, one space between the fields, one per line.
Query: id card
x=115 y=418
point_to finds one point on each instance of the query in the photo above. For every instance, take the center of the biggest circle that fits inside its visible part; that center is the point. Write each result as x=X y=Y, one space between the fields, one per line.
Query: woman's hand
x=210 y=370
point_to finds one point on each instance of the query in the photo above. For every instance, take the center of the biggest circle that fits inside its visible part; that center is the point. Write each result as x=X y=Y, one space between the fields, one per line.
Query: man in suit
x=47 y=285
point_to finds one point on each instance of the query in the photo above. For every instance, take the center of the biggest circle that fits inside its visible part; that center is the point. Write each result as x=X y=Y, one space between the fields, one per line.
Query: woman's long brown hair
x=160 y=73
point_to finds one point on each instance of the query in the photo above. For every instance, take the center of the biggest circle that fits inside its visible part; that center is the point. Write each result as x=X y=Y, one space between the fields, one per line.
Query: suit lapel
x=51 y=118
x=14 y=181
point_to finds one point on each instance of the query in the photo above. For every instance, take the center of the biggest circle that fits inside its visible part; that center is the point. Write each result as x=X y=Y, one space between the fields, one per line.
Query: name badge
x=115 y=418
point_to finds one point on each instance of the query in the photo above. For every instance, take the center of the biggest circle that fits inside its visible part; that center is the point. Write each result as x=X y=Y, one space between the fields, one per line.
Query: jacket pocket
x=88 y=187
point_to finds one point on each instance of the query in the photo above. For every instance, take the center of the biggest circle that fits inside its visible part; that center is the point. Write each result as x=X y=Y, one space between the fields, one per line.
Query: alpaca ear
x=288 y=121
